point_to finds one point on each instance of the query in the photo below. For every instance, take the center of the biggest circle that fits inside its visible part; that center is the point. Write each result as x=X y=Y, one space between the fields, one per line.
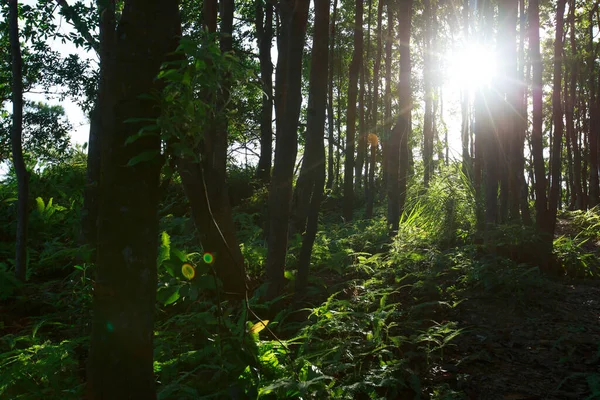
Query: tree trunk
x=330 y=156
x=577 y=193
x=375 y=113
x=594 y=125
x=387 y=116
x=523 y=75
x=536 y=132
x=294 y=15
x=355 y=67
x=312 y=173
x=120 y=360
x=98 y=123
x=467 y=166
x=557 y=117
x=399 y=153
x=204 y=181
x=15 y=139
x=428 y=117
x=264 y=36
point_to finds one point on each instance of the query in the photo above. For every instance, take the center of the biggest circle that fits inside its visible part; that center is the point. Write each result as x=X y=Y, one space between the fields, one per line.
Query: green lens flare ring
x=188 y=271
x=208 y=258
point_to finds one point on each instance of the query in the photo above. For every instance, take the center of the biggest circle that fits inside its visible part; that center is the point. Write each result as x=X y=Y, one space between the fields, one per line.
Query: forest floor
x=529 y=340
x=545 y=345
x=411 y=322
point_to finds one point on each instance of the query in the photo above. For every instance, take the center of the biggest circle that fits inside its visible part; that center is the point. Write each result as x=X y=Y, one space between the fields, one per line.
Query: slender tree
x=593 y=109
x=264 y=36
x=312 y=174
x=399 y=152
x=204 y=180
x=294 y=16
x=355 y=66
x=374 y=141
x=15 y=138
x=330 y=116
x=428 y=117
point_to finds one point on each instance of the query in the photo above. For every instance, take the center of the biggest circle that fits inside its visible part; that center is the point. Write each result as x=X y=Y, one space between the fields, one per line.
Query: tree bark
x=557 y=117
x=594 y=125
x=312 y=173
x=399 y=152
x=387 y=116
x=375 y=113
x=577 y=192
x=120 y=360
x=355 y=66
x=16 y=144
x=264 y=36
x=330 y=155
x=428 y=117
x=294 y=15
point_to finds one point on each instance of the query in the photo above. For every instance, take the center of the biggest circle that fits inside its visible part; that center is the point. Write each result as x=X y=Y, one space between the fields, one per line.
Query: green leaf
x=41 y=207
x=142 y=157
x=164 y=253
x=172 y=298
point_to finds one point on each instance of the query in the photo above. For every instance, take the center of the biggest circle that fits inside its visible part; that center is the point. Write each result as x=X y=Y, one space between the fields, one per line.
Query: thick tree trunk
x=15 y=139
x=264 y=36
x=399 y=152
x=294 y=15
x=330 y=156
x=312 y=173
x=375 y=113
x=355 y=67
x=120 y=360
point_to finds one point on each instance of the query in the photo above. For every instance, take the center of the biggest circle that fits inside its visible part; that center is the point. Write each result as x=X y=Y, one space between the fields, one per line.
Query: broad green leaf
x=173 y=298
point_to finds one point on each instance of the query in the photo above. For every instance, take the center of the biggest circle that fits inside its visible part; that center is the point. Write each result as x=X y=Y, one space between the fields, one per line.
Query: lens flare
x=188 y=271
x=208 y=258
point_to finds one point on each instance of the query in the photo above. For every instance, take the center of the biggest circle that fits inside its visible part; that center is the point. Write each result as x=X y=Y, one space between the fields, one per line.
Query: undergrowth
x=378 y=323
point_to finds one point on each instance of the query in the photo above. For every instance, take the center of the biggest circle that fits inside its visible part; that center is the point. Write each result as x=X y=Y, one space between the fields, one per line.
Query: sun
x=472 y=66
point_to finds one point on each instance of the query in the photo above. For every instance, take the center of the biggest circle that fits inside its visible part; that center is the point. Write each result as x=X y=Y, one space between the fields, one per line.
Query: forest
x=286 y=199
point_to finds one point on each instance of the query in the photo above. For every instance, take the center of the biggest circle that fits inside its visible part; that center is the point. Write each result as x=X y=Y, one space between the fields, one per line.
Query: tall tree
x=593 y=109
x=120 y=360
x=399 y=140
x=374 y=141
x=264 y=35
x=428 y=117
x=577 y=192
x=16 y=144
x=288 y=79
x=330 y=117
x=557 y=118
x=387 y=113
x=204 y=180
x=536 y=126
x=355 y=66
x=312 y=174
